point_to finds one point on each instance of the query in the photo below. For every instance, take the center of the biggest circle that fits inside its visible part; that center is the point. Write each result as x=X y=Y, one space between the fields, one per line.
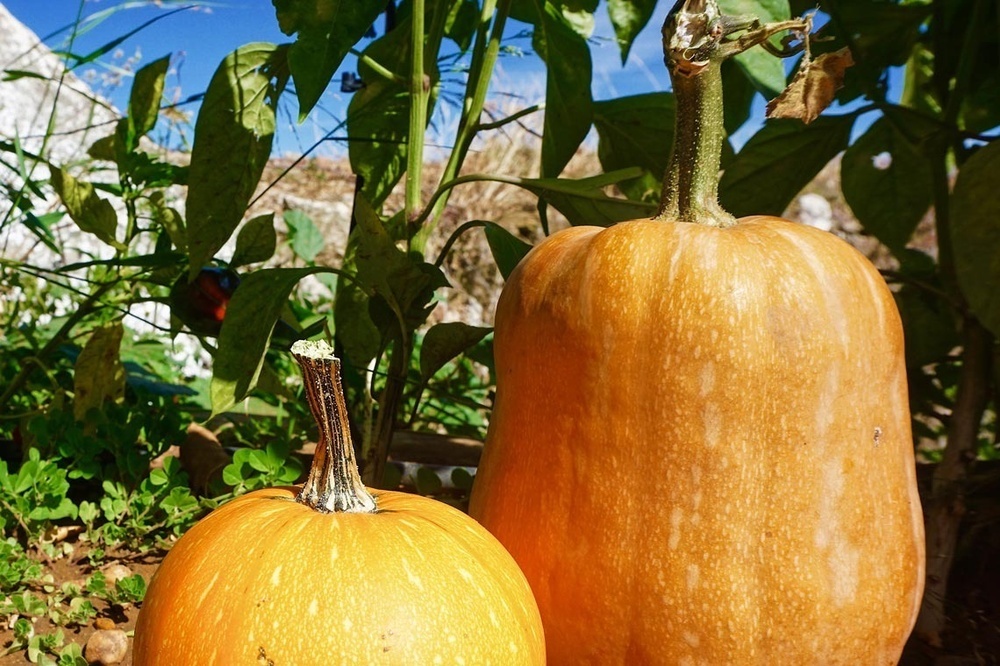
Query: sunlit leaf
x=628 y=18
x=233 y=136
x=99 y=375
x=250 y=318
x=144 y=100
x=325 y=32
x=90 y=212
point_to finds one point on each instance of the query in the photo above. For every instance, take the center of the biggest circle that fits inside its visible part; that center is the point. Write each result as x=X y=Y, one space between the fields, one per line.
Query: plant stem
x=691 y=182
x=333 y=484
x=484 y=57
x=697 y=38
x=419 y=97
x=385 y=422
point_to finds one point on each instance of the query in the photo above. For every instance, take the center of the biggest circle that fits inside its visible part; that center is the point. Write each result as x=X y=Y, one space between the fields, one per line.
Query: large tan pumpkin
x=700 y=451
x=332 y=574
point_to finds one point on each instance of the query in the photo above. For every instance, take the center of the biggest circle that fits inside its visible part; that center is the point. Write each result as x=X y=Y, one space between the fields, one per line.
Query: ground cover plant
x=91 y=404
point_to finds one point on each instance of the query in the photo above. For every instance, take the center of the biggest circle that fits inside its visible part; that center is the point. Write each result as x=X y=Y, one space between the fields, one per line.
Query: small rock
x=104 y=623
x=106 y=646
x=115 y=572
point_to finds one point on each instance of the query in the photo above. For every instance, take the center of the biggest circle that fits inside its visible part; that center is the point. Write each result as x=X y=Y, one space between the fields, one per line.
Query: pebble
x=104 y=623
x=106 y=646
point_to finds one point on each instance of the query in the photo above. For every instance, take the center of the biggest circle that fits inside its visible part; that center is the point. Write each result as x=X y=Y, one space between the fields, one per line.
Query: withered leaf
x=813 y=88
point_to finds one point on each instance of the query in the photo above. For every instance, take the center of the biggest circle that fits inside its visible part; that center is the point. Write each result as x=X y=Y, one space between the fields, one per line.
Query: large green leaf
x=144 y=100
x=887 y=184
x=766 y=72
x=90 y=212
x=246 y=331
x=326 y=30
x=975 y=234
x=378 y=117
x=780 y=160
x=636 y=131
x=629 y=17
x=568 y=103
x=232 y=143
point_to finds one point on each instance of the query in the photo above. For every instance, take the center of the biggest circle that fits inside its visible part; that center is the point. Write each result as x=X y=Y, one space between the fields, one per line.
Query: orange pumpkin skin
x=266 y=580
x=700 y=451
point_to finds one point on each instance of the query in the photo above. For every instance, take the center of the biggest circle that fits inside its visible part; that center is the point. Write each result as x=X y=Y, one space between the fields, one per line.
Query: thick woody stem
x=334 y=484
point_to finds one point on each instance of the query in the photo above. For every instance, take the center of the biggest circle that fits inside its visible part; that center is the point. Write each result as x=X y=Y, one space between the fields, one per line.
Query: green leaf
x=305 y=237
x=233 y=136
x=444 y=342
x=405 y=281
x=173 y=223
x=887 y=184
x=629 y=17
x=738 y=99
x=928 y=326
x=99 y=375
x=90 y=212
x=378 y=116
x=778 y=161
x=881 y=35
x=250 y=317
x=463 y=21
x=568 y=102
x=326 y=30
x=765 y=71
x=636 y=131
x=975 y=234
x=507 y=249
x=144 y=100
x=583 y=201
x=255 y=242
x=427 y=481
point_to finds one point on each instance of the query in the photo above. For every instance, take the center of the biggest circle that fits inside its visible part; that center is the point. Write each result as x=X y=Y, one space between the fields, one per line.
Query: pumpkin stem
x=697 y=38
x=334 y=484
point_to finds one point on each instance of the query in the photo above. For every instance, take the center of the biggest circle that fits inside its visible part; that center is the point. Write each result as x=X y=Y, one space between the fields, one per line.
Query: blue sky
x=199 y=38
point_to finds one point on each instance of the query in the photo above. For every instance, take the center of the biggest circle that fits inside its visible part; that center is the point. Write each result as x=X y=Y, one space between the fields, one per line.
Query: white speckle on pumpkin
x=493 y=619
x=676 y=515
x=347 y=624
x=465 y=574
x=513 y=647
x=334 y=554
x=712 y=418
x=692 y=639
x=314 y=607
x=707 y=378
x=693 y=572
x=413 y=578
x=208 y=589
x=276 y=576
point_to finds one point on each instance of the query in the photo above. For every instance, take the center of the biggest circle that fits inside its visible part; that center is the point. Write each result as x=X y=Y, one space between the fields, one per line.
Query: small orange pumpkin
x=717 y=412
x=333 y=573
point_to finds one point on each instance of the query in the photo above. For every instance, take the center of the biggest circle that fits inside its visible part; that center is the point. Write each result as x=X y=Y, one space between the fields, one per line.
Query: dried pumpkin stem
x=697 y=38
x=334 y=484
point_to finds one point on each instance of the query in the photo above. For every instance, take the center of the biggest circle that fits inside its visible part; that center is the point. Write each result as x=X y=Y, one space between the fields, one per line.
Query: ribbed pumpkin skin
x=266 y=580
x=700 y=451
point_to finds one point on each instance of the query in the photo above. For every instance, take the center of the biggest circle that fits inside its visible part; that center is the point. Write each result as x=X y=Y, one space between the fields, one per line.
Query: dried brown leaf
x=813 y=88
